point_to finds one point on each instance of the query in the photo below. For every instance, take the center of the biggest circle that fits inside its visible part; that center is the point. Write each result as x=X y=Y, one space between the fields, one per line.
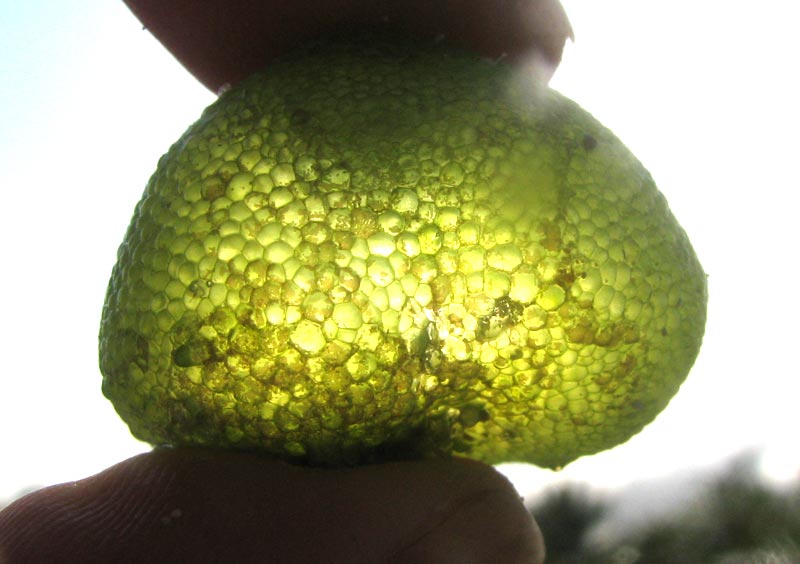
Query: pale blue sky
x=703 y=93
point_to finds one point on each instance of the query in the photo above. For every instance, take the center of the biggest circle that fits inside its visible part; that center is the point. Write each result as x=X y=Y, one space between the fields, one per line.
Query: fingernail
x=489 y=527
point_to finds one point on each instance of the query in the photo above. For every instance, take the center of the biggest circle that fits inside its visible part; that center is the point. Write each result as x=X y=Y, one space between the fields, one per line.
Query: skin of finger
x=222 y=42
x=199 y=505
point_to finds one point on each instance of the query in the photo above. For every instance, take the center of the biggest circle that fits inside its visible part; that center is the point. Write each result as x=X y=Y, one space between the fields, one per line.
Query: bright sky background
x=704 y=93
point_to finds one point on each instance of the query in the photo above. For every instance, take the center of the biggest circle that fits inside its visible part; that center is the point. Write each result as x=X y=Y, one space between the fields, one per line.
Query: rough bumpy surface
x=383 y=251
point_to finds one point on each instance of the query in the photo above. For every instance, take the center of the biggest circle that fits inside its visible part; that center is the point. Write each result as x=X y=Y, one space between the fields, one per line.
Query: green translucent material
x=385 y=251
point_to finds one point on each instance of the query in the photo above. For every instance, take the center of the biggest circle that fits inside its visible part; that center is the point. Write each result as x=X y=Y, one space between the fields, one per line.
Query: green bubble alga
x=382 y=251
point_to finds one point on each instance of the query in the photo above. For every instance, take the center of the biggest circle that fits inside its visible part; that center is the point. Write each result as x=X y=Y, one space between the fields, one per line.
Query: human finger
x=222 y=42
x=203 y=506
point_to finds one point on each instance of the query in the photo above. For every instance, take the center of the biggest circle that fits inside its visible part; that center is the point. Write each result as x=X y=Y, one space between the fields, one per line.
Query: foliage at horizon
x=736 y=519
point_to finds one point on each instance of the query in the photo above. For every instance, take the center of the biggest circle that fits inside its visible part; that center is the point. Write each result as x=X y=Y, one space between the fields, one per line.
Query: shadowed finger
x=224 y=42
x=204 y=506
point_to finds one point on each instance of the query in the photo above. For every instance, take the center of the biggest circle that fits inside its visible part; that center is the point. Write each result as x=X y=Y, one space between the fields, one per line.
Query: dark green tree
x=738 y=519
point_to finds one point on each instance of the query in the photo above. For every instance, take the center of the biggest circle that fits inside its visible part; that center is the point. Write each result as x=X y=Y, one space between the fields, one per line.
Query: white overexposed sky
x=704 y=93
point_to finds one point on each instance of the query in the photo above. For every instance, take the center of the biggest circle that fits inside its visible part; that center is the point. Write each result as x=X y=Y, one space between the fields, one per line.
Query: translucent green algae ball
x=384 y=251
